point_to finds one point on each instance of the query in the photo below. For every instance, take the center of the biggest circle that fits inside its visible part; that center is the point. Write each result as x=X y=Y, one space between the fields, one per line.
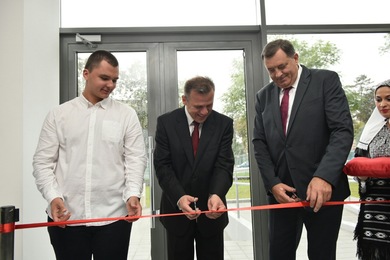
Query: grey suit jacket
x=319 y=134
x=179 y=173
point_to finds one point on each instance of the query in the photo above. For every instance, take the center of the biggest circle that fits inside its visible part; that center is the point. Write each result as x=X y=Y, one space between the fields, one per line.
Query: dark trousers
x=285 y=226
x=207 y=247
x=81 y=242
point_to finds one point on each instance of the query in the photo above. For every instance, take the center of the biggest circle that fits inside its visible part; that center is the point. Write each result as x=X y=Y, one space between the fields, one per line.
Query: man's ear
x=184 y=99
x=85 y=73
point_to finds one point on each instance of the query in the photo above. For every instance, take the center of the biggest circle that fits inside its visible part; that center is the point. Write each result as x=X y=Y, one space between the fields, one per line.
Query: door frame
x=161 y=45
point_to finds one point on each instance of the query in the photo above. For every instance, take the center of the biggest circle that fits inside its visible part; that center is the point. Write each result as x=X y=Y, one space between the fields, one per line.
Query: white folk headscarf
x=374 y=123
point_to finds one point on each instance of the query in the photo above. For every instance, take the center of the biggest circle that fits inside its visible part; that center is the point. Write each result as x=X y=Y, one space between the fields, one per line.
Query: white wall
x=29 y=84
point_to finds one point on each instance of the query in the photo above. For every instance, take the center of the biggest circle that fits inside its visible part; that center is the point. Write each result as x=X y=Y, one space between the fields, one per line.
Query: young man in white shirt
x=89 y=163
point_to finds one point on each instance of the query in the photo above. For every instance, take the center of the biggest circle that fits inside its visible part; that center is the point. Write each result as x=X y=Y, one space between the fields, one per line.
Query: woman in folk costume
x=373 y=228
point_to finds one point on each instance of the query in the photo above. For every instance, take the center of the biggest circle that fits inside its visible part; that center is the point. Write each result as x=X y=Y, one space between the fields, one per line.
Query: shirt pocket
x=111 y=131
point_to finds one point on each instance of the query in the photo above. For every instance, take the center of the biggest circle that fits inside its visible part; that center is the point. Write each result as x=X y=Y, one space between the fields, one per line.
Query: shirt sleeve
x=45 y=159
x=134 y=157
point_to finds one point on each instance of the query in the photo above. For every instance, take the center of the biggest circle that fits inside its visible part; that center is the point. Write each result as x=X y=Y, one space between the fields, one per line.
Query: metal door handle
x=151 y=180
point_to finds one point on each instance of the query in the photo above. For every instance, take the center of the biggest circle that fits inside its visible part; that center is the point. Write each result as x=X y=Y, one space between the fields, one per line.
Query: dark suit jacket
x=180 y=174
x=319 y=135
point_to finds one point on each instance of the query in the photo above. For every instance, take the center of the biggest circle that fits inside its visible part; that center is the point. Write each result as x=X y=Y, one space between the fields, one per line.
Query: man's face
x=100 y=82
x=199 y=106
x=282 y=69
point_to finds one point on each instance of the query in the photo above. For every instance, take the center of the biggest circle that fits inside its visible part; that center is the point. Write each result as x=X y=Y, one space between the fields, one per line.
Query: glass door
x=226 y=69
x=153 y=70
x=137 y=87
x=131 y=89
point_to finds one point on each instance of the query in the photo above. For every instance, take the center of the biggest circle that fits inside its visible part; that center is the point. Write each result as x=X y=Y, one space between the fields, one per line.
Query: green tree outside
x=361 y=102
x=386 y=46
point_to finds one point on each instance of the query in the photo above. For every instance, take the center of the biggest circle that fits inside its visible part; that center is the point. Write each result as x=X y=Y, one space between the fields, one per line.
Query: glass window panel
x=124 y=13
x=361 y=60
x=359 y=54
x=226 y=69
x=326 y=12
x=131 y=89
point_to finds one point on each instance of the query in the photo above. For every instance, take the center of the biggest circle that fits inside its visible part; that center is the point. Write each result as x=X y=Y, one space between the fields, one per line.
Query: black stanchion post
x=8 y=216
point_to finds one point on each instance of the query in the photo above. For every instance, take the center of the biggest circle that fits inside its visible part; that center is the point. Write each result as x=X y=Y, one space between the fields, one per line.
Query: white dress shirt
x=190 y=121
x=91 y=156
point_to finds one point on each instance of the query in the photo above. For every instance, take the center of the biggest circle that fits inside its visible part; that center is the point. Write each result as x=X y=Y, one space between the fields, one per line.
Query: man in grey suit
x=304 y=161
x=194 y=181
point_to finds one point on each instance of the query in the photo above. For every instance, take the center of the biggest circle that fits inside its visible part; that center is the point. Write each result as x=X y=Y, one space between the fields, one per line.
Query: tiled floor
x=346 y=246
x=242 y=250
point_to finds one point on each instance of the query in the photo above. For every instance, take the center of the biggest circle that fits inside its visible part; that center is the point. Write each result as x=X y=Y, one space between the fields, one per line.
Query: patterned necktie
x=284 y=108
x=195 y=137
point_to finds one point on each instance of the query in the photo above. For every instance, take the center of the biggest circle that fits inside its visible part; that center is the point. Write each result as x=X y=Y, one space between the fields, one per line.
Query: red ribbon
x=7 y=228
x=263 y=207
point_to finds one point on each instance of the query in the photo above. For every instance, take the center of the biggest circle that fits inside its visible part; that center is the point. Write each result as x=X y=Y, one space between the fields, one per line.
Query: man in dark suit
x=304 y=161
x=194 y=181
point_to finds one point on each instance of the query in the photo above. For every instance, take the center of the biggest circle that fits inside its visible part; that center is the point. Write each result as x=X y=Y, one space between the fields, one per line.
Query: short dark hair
x=272 y=47
x=96 y=57
x=202 y=85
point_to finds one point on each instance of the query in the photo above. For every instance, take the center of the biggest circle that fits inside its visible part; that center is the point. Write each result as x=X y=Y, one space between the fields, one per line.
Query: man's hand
x=184 y=205
x=58 y=211
x=318 y=192
x=284 y=193
x=215 y=204
x=134 y=208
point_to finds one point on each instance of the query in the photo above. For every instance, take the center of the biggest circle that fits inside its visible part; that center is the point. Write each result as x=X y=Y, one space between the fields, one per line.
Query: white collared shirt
x=190 y=121
x=291 y=95
x=92 y=156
